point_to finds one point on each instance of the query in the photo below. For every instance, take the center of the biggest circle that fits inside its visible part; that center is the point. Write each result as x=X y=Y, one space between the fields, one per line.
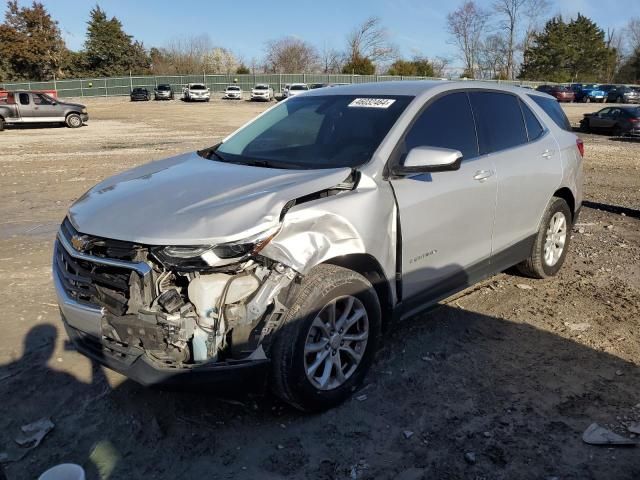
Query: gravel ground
x=496 y=383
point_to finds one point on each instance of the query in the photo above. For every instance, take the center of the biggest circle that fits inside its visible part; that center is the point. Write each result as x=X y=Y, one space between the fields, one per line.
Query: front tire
x=328 y=339
x=551 y=243
x=73 y=120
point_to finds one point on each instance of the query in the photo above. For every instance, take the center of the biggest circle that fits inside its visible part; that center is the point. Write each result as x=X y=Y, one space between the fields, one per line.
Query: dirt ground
x=497 y=383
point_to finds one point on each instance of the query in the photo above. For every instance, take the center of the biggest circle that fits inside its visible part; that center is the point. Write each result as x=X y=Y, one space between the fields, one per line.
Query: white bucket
x=64 y=471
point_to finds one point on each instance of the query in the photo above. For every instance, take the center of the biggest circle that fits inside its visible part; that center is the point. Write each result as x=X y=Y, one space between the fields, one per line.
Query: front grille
x=103 y=247
x=92 y=283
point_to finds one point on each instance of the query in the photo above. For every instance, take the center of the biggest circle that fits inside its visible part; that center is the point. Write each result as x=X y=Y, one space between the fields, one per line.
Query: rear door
x=527 y=160
x=26 y=107
x=446 y=218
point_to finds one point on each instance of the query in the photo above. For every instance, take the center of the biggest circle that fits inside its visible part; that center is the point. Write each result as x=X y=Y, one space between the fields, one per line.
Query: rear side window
x=552 y=108
x=24 y=99
x=499 y=120
x=446 y=123
x=534 y=129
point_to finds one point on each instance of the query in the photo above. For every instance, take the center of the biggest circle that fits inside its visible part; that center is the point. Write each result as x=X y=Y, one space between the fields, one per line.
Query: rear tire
x=616 y=131
x=73 y=120
x=309 y=338
x=546 y=258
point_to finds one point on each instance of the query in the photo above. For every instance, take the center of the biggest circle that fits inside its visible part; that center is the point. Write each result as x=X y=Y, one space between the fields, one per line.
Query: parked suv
x=283 y=250
x=196 y=92
x=23 y=106
x=296 y=89
x=622 y=94
x=262 y=91
x=163 y=91
x=140 y=94
x=588 y=93
x=559 y=92
x=232 y=92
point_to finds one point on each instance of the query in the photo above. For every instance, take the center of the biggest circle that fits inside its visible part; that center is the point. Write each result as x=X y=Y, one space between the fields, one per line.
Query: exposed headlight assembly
x=189 y=258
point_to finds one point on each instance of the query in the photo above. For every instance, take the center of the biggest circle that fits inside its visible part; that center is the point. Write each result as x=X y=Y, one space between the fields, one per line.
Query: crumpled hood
x=189 y=200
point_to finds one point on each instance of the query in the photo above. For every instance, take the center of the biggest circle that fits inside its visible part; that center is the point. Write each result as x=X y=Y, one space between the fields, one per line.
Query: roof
x=411 y=87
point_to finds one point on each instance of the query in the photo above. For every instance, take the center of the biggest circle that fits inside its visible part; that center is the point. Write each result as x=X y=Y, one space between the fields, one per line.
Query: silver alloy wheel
x=555 y=239
x=336 y=342
x=75 y=121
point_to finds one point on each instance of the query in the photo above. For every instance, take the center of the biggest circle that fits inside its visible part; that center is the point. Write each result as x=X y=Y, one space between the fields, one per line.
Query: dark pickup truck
x=21 y=107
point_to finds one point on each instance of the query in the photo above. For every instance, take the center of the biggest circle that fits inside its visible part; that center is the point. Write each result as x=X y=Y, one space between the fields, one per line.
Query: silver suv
x=281 y=252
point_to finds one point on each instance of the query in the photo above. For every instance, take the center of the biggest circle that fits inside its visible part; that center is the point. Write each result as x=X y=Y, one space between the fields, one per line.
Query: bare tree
x=331 y=60
x=370 y=40
x=632 y=33
x=291 y=55
x=440 y=66
x=533 y=13
x=615 y=48
x=466 y=25
x=513 y=13
x=493 y=57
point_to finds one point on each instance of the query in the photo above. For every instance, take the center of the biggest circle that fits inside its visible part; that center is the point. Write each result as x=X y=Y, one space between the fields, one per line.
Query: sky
x=415 y=26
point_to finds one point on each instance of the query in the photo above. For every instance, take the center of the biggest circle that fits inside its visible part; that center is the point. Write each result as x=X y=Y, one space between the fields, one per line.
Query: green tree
x=31 y=45
x=242 y=69
x=567 y=52
x=359 y=66
x=402 y=67
x=630 y=69
x=109 y=50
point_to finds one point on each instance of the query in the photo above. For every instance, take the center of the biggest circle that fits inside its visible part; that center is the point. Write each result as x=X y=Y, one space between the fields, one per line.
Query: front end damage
x=179 y=312
x=155 y=312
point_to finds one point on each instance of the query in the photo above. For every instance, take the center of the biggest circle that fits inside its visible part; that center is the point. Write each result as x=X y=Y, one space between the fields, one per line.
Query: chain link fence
x=119 y=86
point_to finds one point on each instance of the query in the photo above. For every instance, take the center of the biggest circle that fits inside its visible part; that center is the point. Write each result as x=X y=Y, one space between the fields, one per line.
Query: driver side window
x=446 y=123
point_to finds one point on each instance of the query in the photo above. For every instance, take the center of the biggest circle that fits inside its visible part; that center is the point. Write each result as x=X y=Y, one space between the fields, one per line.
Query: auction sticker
x=372 y=102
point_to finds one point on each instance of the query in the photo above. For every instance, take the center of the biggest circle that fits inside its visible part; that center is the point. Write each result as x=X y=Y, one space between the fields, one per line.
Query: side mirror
x=429 y=159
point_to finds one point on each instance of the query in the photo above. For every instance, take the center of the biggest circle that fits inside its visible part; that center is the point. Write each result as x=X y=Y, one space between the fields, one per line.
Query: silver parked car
x=232 y=92
x=196 y=92
x=281 y=252
x=262 y=91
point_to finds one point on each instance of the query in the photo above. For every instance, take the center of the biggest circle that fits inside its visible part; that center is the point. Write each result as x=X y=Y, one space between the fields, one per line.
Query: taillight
x=634 y=120
x=580 y=145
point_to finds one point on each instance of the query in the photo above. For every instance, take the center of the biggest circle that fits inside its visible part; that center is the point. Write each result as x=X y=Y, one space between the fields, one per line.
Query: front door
x=446 y=218
x=45 y=109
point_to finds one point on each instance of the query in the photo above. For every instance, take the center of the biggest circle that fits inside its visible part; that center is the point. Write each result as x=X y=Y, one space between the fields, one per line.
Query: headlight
x=84 y=110
x=203 y=256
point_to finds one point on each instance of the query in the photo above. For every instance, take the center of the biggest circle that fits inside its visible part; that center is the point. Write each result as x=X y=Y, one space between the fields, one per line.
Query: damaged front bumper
x=134 y=363
x=161 y=327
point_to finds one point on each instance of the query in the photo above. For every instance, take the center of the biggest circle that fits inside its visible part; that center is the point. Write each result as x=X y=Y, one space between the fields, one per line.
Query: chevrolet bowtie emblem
x=79 y=242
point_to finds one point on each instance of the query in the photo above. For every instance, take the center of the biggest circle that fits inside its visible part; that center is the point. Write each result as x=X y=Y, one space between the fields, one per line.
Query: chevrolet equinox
x=280 y=253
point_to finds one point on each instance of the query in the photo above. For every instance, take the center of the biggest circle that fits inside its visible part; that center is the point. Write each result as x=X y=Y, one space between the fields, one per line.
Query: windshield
x=299 y=87
x=198 y=87
x=326 y=131
x=235 y=89
x=260 y=87
x=139 y=90
x=164 y=87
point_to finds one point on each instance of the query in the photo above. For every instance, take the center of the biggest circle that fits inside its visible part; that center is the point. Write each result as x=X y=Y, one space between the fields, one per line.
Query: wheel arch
x=367 y=266
x=567 y=195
